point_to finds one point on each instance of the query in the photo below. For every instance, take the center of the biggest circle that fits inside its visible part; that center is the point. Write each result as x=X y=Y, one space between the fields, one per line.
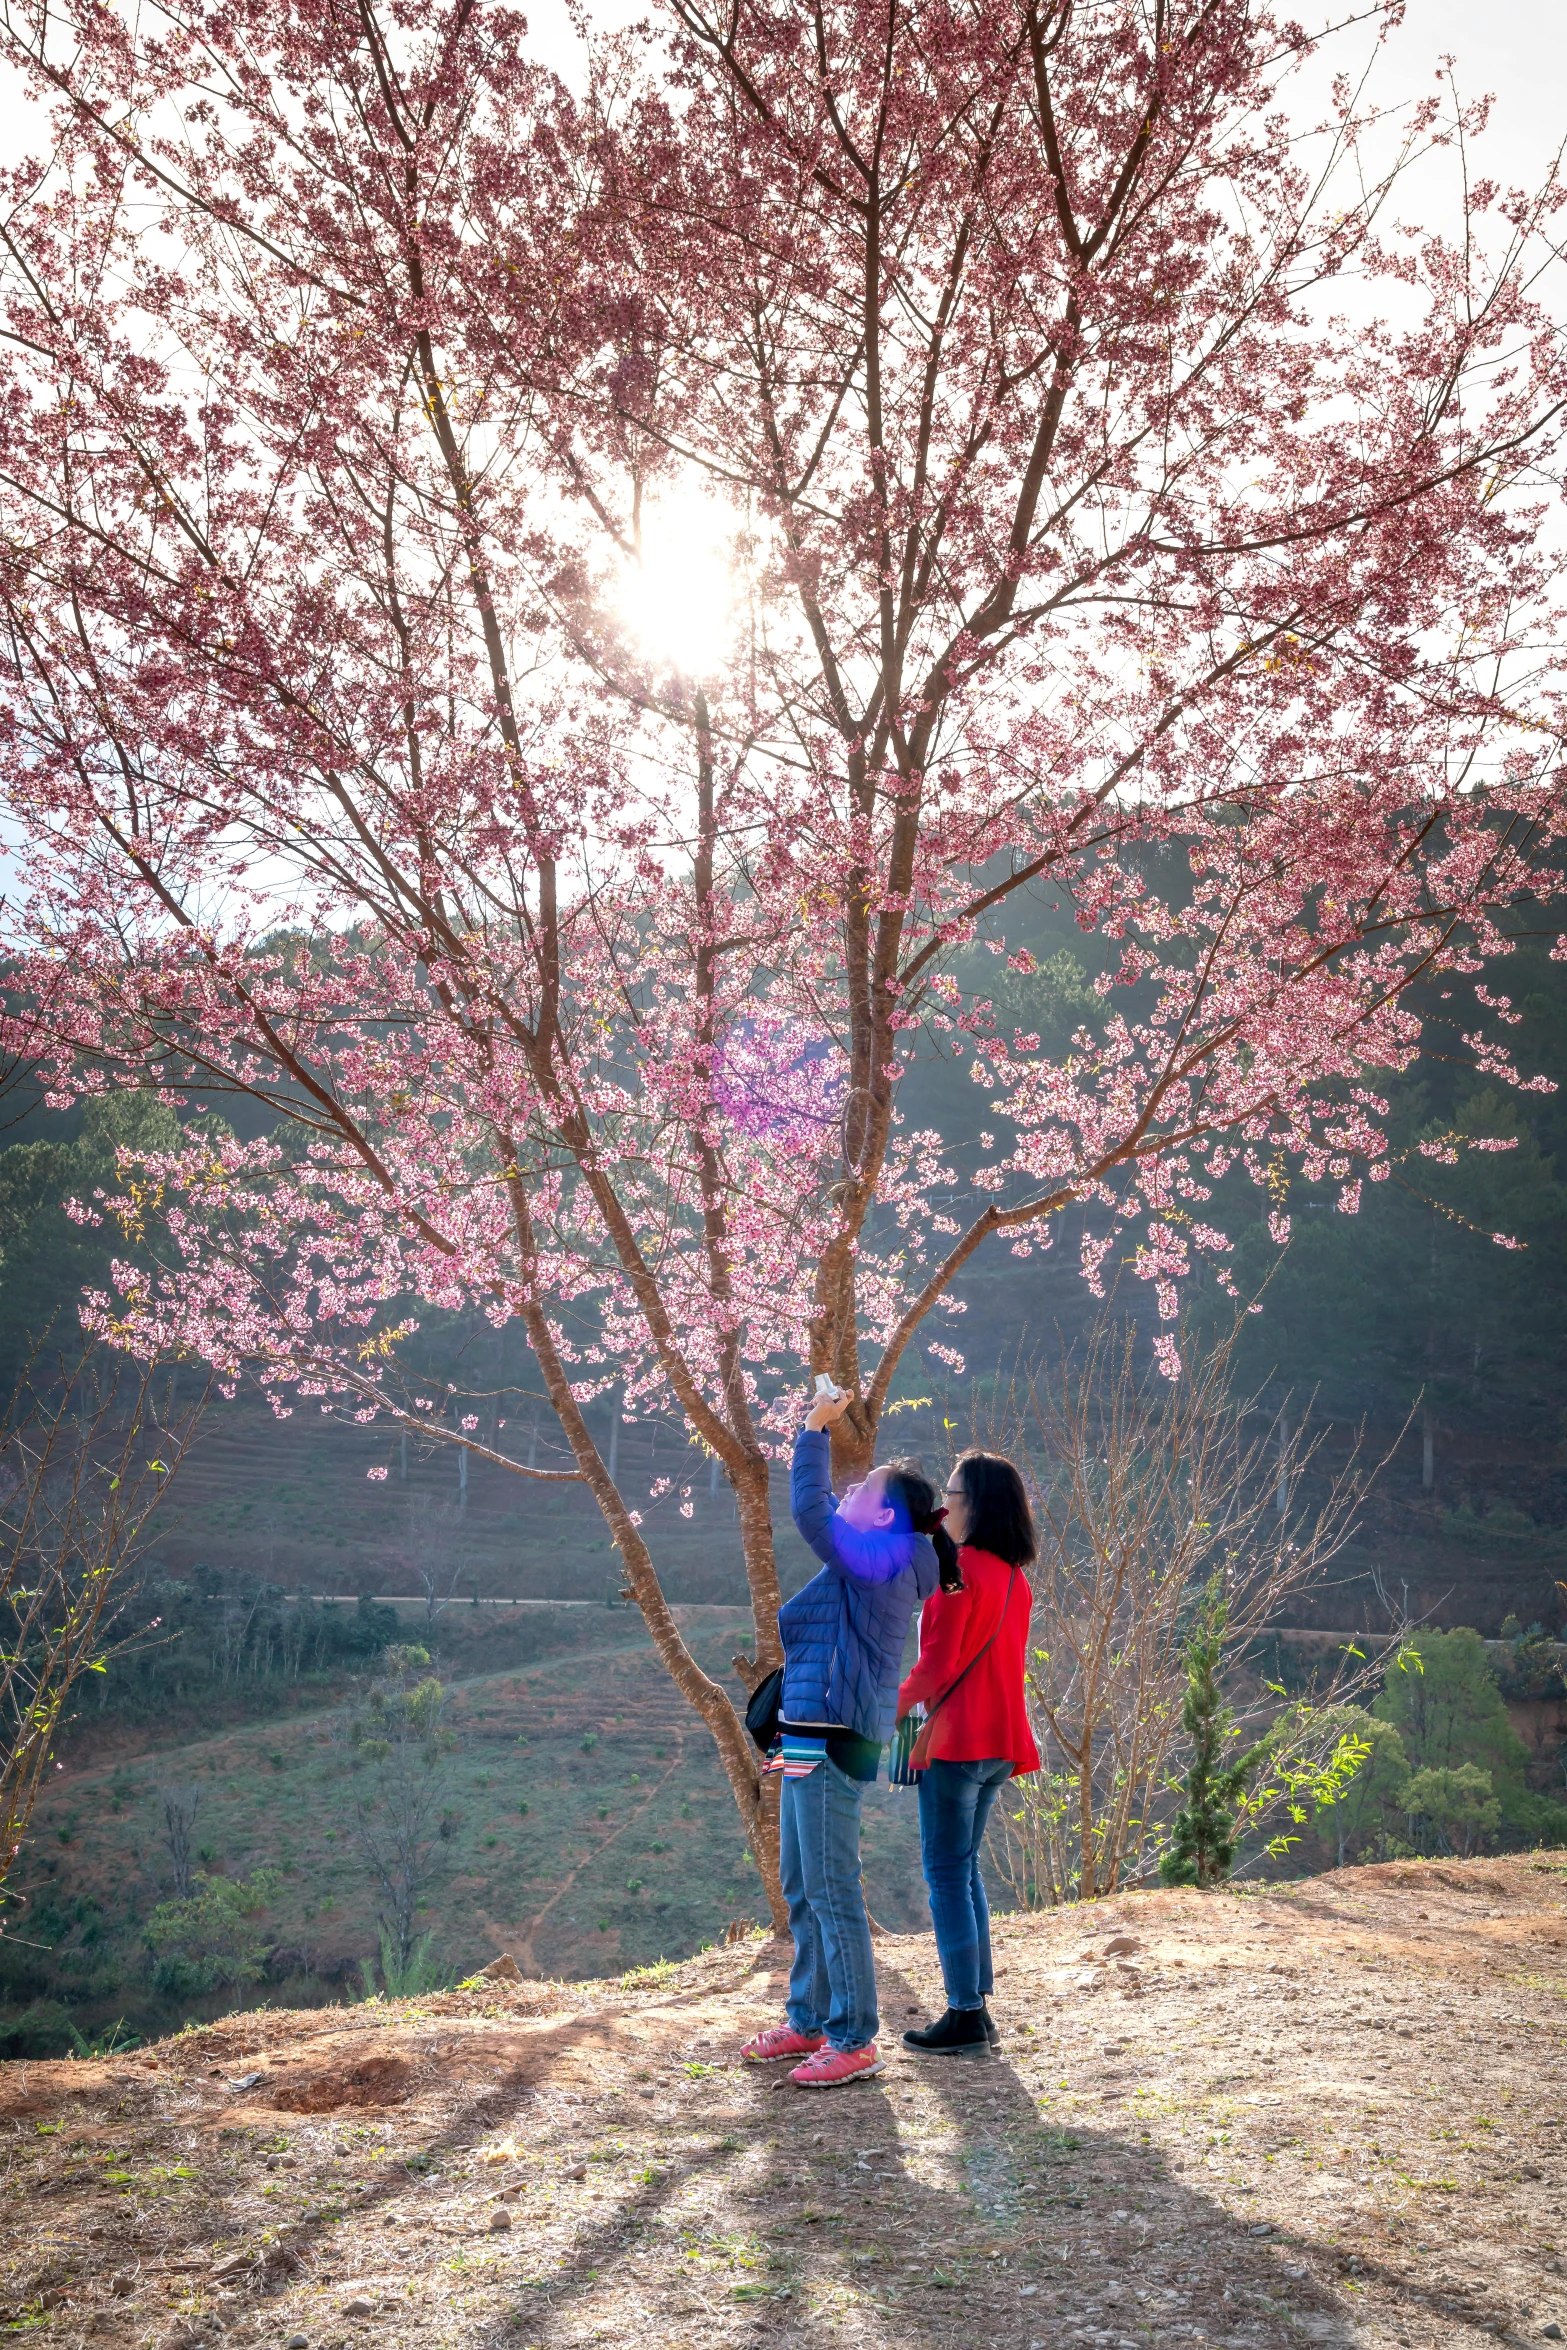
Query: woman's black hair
x=910 y=1491
x=1000 y=1518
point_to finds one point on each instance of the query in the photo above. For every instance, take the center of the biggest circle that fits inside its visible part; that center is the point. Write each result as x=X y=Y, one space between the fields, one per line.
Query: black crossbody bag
x=761 y=1714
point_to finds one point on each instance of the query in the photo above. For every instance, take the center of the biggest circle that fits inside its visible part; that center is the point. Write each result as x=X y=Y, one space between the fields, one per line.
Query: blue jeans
x=832 y=1984
x=955 y=1805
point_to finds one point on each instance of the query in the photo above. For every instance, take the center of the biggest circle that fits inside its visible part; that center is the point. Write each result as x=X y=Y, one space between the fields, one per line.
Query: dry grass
x=1330 y=2113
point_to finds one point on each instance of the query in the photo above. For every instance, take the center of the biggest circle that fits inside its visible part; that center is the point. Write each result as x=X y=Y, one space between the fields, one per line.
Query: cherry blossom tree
x=1106 y=491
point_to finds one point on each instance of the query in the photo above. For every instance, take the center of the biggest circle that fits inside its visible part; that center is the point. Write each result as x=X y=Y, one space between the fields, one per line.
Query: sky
x=1516 y=49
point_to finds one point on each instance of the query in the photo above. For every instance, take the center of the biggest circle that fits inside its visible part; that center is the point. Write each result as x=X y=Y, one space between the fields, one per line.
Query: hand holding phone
x=829 y=1403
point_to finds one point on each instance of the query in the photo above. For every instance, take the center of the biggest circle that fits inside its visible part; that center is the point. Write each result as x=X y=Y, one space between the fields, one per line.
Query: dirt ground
x=1328 y=2113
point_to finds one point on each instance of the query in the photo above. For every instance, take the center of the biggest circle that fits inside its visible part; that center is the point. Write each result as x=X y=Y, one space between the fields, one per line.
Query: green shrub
x=1201 y=1850
x=210 y=1942
x=408 y=1978
x=1442 y=1699
x=1530 y=1665
x=41 y=2029
x=1534 y=1819
x=1363 y=1816
x=1457 y=1804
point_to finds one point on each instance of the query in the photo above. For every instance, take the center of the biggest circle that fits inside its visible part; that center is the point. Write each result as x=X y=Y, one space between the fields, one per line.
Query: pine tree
x=1201 y=1850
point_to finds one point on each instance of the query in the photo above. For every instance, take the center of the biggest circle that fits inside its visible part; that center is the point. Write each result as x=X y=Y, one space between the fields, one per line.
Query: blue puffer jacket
x=843 y=1634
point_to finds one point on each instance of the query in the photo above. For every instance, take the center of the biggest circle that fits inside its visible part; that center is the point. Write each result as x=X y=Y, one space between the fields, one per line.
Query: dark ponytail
x=911 y=1491
x=946 y=1556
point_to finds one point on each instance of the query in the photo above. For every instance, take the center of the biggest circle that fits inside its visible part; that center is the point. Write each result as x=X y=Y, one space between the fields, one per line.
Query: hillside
x=580 y=1818
x=290 y=1502
x=1324 y=2114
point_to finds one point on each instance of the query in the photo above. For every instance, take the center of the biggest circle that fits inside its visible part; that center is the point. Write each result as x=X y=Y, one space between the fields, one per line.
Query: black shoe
x=992 y=2028
x=960 y=2032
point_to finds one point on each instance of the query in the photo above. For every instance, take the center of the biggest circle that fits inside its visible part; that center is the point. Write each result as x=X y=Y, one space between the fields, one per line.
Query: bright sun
x=679 y=602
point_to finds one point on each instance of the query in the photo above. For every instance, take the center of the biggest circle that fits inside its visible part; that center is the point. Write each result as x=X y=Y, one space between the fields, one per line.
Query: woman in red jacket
x=969 y=1678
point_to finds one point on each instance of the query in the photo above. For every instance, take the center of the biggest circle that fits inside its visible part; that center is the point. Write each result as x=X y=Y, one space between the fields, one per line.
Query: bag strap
x=932 y=1711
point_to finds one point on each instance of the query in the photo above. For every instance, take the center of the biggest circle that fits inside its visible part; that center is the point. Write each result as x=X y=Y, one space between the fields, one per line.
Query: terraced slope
x=291 y=1500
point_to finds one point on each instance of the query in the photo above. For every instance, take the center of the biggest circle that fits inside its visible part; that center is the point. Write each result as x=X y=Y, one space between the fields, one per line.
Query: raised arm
x=811 y=1500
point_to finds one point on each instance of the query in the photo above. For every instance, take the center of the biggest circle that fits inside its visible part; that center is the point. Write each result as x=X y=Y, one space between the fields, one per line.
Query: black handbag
x=761 y=1714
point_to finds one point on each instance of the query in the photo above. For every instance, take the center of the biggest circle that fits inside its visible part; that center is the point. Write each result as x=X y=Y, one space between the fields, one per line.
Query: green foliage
x=1530 y=1819
x=43 y=2028
x=1201 y=1850
x=1444 y=1773
x=116 y=2041
x=653 y=1978
x=1458 y=1804
x=46 y=1260
x=1363 y=1815
x=1312 y=1757
x=1530 y=1664
x=403 y=1711
x=223 y=1635
x=210 y=1942
x=404 y=1978
x=1442 y=1699
x=398 y=1822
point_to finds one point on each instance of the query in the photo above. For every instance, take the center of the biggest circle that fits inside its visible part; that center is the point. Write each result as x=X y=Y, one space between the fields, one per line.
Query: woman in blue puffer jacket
x=843 y=1639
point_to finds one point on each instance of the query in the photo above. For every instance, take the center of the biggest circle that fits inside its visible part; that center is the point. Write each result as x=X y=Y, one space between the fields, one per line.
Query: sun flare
x=679 y=601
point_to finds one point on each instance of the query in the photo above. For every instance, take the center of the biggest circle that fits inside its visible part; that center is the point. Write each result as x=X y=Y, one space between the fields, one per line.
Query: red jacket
x=986 y=1717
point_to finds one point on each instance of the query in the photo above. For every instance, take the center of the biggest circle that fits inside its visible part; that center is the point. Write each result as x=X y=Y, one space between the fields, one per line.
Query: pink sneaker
x=782 y=2040
x=834 y=2066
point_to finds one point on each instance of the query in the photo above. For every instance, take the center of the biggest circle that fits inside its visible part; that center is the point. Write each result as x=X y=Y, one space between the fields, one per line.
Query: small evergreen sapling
x=1201 y=1850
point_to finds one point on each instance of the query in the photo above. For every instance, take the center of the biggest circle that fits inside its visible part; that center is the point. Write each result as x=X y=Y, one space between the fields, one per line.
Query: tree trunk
x=755 y=1797
x=1085 y=1810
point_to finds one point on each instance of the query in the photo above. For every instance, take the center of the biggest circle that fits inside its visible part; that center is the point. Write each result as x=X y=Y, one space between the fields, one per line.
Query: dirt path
x=1330 y=2114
